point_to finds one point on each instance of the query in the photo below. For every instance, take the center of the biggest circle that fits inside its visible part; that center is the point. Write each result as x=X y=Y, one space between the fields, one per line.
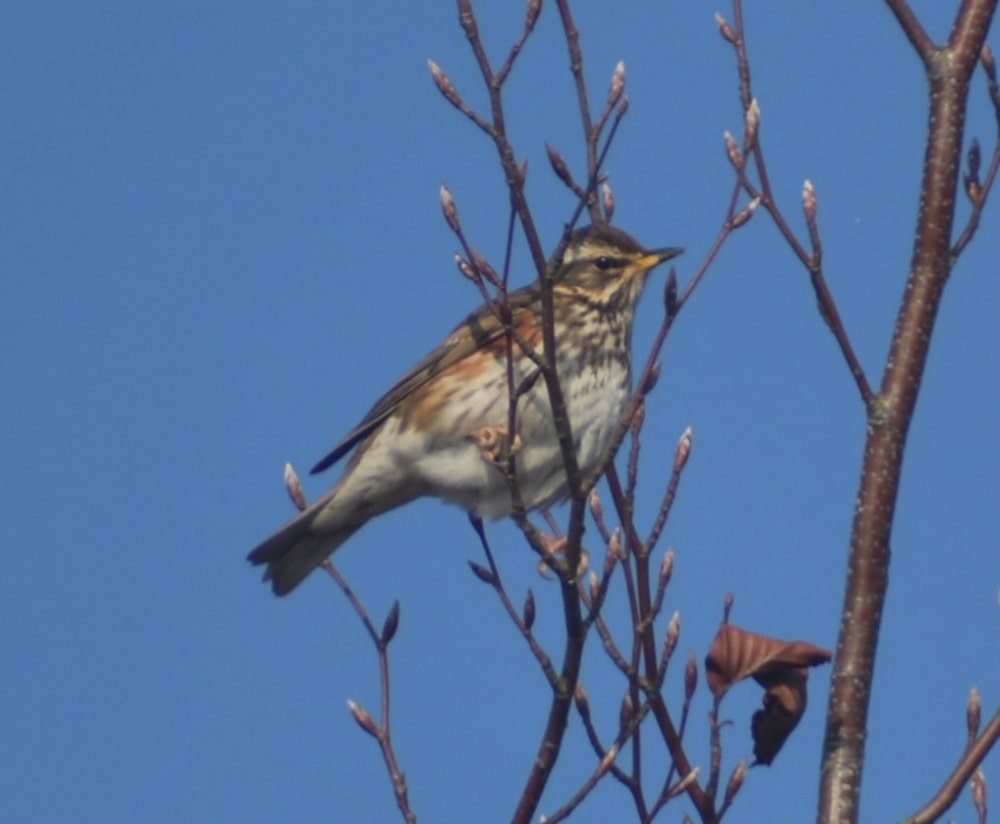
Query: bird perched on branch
x=443 y=430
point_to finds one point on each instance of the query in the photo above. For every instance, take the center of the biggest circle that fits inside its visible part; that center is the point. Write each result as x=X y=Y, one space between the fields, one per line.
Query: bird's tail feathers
x=300 y=546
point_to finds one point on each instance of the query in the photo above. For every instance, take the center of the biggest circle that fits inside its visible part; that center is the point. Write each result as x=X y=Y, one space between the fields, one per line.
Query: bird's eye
x=604 y=263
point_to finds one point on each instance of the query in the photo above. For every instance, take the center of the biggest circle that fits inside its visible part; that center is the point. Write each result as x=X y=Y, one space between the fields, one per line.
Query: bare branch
x=913 y=29
x=949 y=73
x=963 y=772
x=382 y=731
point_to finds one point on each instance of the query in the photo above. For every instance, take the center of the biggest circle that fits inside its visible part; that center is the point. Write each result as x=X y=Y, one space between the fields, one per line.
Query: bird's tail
x=301 y=545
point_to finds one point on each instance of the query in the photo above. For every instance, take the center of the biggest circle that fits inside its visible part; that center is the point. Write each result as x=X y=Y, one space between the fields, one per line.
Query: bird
x=442 y=430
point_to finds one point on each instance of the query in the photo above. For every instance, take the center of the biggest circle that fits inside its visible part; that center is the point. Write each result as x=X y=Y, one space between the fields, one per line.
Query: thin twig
x=381 y=731
x=811 y=261
x=646 y=641
x=959 y=778
x=602 y=768
x=979 y=192
x=526 y=632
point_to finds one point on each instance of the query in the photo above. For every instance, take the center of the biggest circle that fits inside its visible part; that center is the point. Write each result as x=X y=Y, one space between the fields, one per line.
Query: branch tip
x=735 y=782
x=690 y=677
x=733 y=150
x=450 y=209
x=582 y=702
x=988 y=62
x=666 y=569
x=596 y=507
x=465 y=268
x=683 y=449
x=365 y=721
x=979 y=792
x=746 y=213
x=673 y=636
x=391 y=624
x=558 y=163
x=617 y=84
x=725 y=29
x=809 y=201
x=973 y=714
x=444 y=84
x=752 y=124
x=528 y=613
x=608 y=199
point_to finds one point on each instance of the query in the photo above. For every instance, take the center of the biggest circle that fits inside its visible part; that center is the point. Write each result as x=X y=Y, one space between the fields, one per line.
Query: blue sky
x=220 y=241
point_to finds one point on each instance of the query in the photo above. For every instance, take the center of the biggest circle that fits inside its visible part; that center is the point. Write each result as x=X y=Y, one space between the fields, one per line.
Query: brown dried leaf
x=784 y=705
x=737 y=654
x=778 y=666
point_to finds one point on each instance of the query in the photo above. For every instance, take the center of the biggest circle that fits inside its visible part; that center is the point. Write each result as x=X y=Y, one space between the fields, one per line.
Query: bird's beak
x=656 y=257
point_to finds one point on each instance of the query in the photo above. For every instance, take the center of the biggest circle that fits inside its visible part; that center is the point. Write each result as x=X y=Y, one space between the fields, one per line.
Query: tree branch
x=949 y=71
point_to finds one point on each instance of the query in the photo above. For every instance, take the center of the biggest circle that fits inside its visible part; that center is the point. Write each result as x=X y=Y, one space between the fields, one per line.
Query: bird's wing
x=478 y=330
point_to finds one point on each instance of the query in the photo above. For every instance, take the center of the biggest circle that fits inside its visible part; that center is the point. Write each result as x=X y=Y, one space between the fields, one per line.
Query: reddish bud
x=615 y=544
x=609 y=562
x=725 y=29
x=623 y=108
x=559 y=165
x=670 y=293
x=682 y=785
x=809 y=201
x=666 y=569
x=528 y=614
x=444 y=84
x=683 y=449
x=672 y=637
x=974 y=713
x=735 y=782
x=746 y=214
x=391 y=624
x=608 y=197
x=484 y=267
x=365 y=721
x=733 y=150
x=652 y=379
x=617 y=84
x=638 y=419
x=482 y=573
x=294 y=487
x=975 y=158
x=690 y=676
x=450 y=209
x=989 y=62
x=979 y=792
x=465 y=268
x=972 y=187
x=581 y=701
x=626 y=712
x=752 y=124
x=596 y=507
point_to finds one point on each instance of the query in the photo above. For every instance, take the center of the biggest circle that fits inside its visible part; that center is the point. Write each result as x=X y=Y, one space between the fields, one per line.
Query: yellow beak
x=655 y=258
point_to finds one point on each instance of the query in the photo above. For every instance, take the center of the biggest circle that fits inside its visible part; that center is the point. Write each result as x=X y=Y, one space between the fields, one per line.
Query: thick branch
x=892 y=410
